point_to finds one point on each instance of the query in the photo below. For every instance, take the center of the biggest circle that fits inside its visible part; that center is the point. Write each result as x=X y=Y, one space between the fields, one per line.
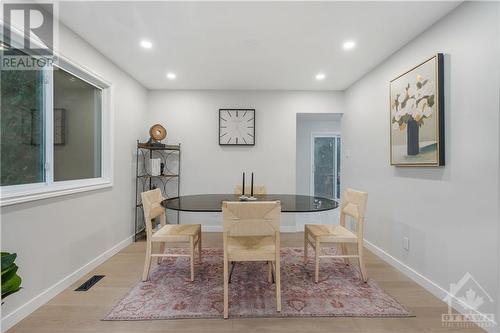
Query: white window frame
x=315 y=135
x=14 y=194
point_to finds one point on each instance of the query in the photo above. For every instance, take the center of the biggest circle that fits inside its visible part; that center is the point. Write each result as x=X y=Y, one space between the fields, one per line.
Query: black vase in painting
x=412 y=138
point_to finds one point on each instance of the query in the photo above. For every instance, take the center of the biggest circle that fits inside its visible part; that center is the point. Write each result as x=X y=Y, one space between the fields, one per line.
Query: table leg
x=233 y=263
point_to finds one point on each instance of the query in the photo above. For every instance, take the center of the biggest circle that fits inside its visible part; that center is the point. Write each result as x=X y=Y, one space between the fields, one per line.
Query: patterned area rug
x=169 y=294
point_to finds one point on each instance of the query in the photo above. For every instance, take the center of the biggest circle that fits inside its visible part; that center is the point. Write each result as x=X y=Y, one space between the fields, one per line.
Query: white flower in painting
x=401 y=98
x=426 y=90
x=411 y=90
x=395 y=126
x=409 y=107
x=417 y=114
x=427 y=111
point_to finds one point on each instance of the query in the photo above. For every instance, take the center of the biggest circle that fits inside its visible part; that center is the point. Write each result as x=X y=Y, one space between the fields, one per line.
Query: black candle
x=251 y=190
x=243 y=187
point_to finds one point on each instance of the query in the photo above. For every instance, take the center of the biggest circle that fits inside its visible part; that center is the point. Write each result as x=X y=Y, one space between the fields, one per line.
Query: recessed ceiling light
x=171 y=76
x=146 y=44
x=349 y=44
x=320 y=76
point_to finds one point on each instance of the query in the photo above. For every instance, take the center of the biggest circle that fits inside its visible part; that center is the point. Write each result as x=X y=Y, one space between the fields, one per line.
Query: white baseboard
x=218 y=228
x=423 y=281
x=24 y=310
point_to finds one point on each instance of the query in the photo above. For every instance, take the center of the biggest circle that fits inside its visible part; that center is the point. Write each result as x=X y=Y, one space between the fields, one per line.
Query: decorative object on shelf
x=11 y=282
x=417 y=115
x=237 y=127
x=157 y=133
x=156 y=167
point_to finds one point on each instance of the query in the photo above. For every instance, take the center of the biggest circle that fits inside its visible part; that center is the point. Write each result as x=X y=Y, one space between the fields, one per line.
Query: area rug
x=169 y=294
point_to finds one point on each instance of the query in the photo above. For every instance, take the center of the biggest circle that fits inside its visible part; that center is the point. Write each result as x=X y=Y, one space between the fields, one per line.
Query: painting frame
x=435 y=148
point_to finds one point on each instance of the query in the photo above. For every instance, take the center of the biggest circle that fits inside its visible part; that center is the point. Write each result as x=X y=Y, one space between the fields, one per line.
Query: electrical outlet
x=406 y=243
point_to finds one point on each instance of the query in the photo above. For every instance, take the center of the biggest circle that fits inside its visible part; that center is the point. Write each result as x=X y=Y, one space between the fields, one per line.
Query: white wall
x=191 y=118
x=57 y=237
x=450 y=214
x=307 y=125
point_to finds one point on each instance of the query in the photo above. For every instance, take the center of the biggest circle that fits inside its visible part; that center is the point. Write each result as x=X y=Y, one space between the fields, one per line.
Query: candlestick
x=251 y=190
x=243 y=187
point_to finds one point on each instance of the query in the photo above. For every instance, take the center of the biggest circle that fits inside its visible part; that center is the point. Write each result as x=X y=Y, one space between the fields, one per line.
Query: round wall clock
x=237 y=127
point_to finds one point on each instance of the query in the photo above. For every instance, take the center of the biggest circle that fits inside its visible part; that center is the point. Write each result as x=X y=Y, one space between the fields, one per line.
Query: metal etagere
x=168 y=182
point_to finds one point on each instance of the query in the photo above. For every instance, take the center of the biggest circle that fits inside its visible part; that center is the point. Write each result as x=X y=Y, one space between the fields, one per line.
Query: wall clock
x=237 y=127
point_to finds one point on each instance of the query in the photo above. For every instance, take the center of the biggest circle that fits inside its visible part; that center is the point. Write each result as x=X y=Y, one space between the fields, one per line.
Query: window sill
x=44 y=191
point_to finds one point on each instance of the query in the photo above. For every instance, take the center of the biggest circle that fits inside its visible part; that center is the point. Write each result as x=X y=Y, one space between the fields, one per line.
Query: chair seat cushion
x=176 y=232
x=331 y=233
x=254 y=248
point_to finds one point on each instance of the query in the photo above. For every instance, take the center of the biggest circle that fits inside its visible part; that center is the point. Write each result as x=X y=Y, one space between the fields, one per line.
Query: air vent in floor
x=89 y=283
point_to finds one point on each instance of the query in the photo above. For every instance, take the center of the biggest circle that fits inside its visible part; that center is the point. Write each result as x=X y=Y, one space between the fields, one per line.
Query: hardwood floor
x=74 y=312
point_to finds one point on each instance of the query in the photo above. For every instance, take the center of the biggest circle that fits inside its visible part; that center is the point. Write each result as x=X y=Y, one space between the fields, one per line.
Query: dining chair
x=251 y=232
x=257 y=189
x=353 y=204
x=167 y=233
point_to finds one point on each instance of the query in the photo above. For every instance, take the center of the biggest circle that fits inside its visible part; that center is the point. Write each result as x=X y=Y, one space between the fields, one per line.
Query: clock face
x=237 y=127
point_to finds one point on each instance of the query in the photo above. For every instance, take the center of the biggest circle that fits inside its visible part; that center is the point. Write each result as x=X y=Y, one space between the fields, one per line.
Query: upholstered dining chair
x=257 y=189
x=252 y=233
x=167 y=233
x=353 y=204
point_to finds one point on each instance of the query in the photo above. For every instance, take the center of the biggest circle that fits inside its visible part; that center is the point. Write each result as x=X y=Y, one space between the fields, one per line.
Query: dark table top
x=290 y=203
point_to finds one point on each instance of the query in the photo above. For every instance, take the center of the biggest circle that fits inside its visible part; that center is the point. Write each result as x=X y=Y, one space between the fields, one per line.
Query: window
x=55 y=126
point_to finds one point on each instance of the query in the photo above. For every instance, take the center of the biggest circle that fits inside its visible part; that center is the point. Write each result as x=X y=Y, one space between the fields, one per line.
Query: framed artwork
x=417 y=115
x=237 y=127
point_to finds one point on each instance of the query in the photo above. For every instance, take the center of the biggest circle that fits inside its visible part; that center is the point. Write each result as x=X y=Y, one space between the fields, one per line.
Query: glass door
x=326 y=166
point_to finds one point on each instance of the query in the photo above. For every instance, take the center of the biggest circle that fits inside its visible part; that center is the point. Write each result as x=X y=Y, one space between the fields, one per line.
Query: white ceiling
x=249 y=45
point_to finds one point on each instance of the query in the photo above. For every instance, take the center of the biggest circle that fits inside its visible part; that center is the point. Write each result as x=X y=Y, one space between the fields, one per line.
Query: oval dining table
x=290 y=203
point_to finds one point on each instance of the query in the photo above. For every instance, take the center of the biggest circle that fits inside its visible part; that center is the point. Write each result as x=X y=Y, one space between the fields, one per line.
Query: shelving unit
x=169 y=182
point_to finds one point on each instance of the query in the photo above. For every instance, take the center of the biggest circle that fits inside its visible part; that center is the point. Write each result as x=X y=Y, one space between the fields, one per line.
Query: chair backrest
x=354 y=205
x=260 y=218
x=151 y=204
x=257 y=189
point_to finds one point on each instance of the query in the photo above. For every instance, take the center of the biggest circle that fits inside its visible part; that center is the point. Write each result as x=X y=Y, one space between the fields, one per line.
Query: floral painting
x=417 y=115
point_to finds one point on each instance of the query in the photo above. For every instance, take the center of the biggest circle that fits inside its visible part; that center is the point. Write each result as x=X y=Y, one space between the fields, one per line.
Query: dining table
x=290 y=203
x=210 y=203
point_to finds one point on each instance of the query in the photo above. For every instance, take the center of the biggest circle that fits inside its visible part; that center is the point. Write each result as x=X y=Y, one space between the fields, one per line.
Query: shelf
x=166 y=147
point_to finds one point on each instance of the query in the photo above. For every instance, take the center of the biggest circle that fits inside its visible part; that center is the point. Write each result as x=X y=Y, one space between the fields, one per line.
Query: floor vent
x=89 y=283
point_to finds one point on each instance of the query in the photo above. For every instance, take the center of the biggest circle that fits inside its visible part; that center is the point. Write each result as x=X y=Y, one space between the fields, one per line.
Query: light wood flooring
x=75 y=312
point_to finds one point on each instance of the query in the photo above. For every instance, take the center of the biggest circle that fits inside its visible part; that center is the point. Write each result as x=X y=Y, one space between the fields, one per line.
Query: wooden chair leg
x=317 y=251
x=162 y=250
x=343 y=248
x=278 y=283
x=147 y=262
x=226 y=288
x=305 y=244
x=199 y=247
x=361 y=259
x=191 y=257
